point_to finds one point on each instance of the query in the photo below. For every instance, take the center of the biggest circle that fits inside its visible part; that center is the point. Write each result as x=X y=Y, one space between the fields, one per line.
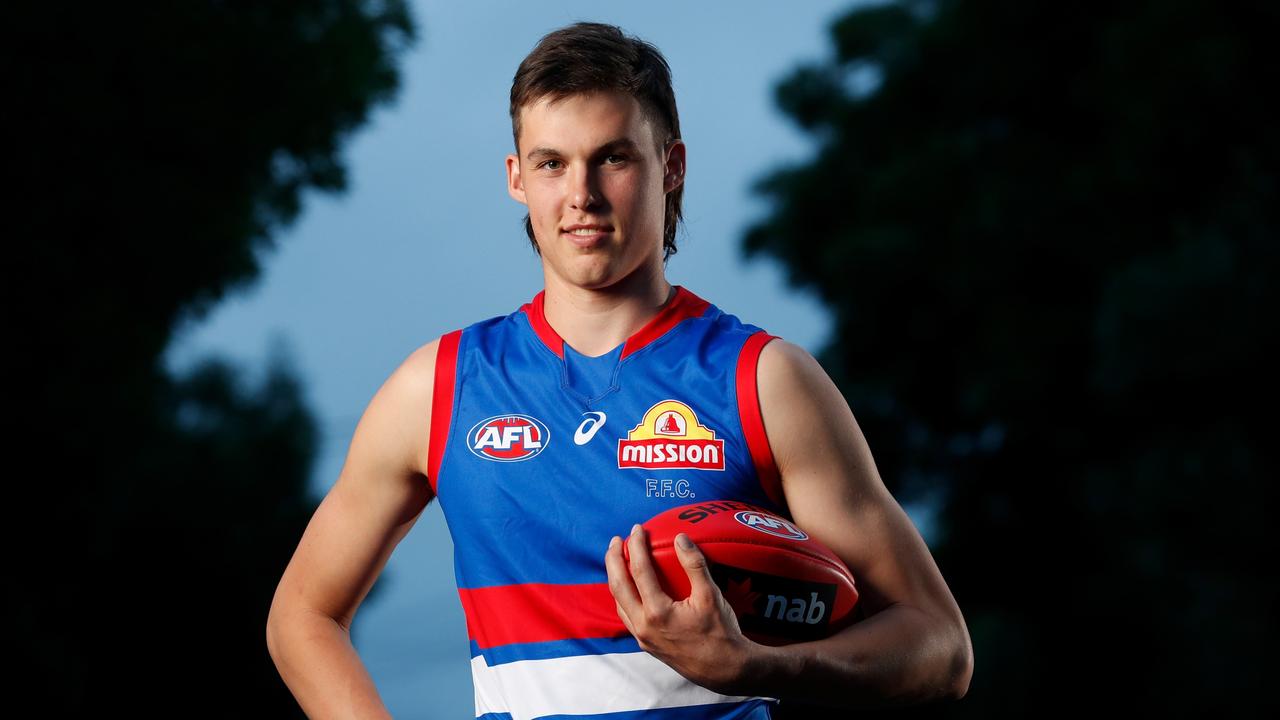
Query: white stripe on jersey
x=584 y=685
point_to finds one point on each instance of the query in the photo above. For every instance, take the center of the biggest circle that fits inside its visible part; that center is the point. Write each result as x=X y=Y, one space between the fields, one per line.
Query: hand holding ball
x=784 y=586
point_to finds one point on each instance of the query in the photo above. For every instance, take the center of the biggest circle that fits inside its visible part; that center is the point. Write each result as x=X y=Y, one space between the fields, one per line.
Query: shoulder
x=417 y=371
x=420 y=368
x=405 y=400
x=784 y=366
x=799 y=403
x=422 y=361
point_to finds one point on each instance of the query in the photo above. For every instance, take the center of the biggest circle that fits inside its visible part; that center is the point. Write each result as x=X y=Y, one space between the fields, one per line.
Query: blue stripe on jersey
x=747 y=710
x=555 y=649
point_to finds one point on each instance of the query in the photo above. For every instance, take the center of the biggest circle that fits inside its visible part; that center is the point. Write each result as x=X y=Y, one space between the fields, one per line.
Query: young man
x=519 y=424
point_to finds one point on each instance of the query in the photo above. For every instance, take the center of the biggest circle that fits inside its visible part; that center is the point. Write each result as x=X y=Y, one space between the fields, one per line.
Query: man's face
x=595 y=179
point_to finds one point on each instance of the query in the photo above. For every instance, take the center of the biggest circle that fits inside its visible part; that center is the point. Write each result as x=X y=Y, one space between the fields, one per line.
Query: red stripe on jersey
x=536 y=612
x=442 y=403
x=752 y=421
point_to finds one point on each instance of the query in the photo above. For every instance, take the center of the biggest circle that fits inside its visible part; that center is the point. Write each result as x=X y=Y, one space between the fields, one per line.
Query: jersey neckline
x=683 y=306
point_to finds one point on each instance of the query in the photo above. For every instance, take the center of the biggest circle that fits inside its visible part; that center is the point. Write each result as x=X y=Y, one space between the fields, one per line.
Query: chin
x=594 y=282
x=591 y=275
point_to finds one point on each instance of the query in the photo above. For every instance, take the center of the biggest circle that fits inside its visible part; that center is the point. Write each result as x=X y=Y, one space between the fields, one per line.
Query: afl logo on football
x=508 y=438
x=769 y=524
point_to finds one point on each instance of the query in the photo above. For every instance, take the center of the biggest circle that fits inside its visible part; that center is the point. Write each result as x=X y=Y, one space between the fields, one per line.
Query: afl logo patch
x=775 y=526
x=508 y=438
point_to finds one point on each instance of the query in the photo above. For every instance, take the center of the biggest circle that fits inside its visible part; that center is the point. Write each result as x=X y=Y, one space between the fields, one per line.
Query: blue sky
x=426 y=240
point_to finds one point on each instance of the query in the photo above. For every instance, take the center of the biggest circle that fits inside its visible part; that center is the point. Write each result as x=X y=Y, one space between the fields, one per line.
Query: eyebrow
x=618 y=144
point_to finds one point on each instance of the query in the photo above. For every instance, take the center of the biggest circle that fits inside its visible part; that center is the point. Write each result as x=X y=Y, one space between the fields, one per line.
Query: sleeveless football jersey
x=539 y=455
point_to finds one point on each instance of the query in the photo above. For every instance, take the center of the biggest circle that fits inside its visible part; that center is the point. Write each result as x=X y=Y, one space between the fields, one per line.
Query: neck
x=594 y=321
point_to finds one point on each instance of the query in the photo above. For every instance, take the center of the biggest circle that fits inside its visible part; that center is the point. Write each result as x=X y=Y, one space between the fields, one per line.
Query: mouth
x=586 y=235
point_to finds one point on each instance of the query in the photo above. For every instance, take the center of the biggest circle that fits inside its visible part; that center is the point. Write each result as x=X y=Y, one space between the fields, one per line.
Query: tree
x=158 y=148
x=1047 y=236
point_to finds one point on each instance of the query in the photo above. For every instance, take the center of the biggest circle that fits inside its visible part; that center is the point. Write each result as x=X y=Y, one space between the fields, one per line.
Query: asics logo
x=587 y=430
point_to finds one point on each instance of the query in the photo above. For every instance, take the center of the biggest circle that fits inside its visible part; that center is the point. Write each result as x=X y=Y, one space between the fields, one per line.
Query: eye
x=549 y=163
x=615 y=159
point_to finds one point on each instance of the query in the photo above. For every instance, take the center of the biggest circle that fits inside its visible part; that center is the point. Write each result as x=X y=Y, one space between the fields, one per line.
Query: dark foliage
x=1048 y=234
x=154 y=150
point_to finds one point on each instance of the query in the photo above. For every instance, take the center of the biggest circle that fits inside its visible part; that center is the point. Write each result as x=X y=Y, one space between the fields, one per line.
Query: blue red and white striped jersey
x=539 y=455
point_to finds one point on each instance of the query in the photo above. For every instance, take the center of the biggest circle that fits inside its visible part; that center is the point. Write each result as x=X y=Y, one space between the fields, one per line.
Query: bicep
x=379 y=494
x=832 y=487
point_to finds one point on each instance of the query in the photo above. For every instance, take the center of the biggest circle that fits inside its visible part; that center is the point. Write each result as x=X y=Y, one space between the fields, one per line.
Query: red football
x=784 y=585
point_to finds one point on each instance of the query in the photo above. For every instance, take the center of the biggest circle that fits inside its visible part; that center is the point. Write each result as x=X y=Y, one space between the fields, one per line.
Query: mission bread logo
x=670 y=437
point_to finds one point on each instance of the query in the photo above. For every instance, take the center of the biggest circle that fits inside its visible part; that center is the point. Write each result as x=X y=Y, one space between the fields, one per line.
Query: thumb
x=695 y=566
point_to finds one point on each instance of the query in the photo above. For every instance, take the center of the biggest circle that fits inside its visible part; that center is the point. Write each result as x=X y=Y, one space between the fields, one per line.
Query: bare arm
x=379 y=494
x=913 y=645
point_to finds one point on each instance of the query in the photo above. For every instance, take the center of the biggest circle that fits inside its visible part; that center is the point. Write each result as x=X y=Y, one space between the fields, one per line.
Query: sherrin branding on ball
x=783 y=585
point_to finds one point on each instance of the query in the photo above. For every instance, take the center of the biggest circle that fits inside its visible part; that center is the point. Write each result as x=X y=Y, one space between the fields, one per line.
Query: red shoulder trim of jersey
x=543 y=329
x=442 y=403
x=752 y=421
x=683 y=306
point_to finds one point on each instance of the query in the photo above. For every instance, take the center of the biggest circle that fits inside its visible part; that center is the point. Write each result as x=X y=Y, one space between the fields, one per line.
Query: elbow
x=961 y=685
x=277 y=629
x=962 y=667
x=272 y=632
x=271 y=647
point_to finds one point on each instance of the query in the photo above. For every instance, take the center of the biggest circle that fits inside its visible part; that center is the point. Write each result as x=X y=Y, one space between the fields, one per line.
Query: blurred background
x=1034 y=244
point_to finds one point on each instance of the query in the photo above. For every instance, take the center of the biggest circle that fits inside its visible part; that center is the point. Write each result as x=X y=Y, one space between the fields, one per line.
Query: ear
x=673 y=174
x=515 y=184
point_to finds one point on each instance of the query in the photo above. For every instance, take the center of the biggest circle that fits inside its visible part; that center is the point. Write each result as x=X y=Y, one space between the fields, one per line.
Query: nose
x=584 y=193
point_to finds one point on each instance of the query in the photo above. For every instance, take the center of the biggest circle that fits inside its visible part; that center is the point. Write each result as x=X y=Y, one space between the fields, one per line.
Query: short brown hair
x=592 y=57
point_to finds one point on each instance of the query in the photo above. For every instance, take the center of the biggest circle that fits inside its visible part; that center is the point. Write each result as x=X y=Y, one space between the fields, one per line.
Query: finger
x=624 y=592
x=695 y=566
x=626 y=621
x=642 y=571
